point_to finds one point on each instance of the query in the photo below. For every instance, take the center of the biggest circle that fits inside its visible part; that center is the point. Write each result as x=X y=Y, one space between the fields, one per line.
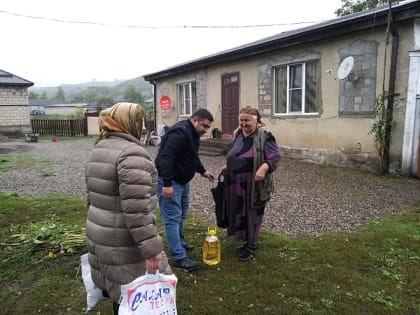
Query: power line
x=152 y=27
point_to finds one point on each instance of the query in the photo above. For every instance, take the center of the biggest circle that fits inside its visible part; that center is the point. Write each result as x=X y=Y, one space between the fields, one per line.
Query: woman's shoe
x=246 y=254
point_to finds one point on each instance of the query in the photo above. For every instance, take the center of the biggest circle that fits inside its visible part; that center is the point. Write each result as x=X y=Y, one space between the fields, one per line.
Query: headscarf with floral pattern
x=121 y=117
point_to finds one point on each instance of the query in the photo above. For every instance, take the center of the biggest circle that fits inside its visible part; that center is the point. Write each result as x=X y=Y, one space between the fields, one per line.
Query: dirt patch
x=15 y=148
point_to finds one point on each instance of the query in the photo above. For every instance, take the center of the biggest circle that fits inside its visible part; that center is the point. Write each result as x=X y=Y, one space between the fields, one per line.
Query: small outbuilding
x=14 y=105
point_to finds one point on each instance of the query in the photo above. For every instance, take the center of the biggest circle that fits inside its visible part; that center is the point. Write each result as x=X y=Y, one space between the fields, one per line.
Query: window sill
x=295 y=116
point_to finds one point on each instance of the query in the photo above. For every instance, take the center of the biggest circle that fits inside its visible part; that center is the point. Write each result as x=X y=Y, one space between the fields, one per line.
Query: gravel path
x=309 y=199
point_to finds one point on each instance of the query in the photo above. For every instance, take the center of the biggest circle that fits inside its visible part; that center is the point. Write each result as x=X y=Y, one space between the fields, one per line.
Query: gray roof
x=41 y=102
x=367 y=19
x=9 y=79
x=53 y=103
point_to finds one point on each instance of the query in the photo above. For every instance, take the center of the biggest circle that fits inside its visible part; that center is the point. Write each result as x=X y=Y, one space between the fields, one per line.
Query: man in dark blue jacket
x=177 y=162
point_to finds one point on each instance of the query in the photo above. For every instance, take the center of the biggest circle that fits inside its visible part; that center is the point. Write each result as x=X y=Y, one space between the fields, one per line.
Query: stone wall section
x=358 y=91
x=265 y=88
x=201 y=89
x=14 y=111
x=355 y=160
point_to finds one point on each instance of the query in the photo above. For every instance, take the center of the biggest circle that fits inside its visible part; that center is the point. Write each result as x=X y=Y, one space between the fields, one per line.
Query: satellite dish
x=345 y=67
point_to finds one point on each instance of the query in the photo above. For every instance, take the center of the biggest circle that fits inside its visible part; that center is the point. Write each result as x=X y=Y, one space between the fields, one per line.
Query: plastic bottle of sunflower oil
x=211 y=247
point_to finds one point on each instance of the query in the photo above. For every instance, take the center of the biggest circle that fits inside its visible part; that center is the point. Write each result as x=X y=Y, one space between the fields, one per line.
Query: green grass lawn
x=18 y=161
x=375 y=270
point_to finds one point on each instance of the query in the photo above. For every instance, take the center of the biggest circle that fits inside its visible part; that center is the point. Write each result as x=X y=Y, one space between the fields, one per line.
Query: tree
x=60 y=95
x=106 y=101
x=132 y=95
x=91 y=95
x=33 y=95
x=150 y=113
x=80 y=113
x=353 y=6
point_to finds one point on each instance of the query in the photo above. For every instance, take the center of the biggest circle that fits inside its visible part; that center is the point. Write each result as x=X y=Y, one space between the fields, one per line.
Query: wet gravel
x=309 y=199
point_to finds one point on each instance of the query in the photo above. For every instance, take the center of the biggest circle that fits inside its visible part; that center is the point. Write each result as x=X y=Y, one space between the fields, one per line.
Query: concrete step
x=213 y=146
x=213 y=142
x=211 y=152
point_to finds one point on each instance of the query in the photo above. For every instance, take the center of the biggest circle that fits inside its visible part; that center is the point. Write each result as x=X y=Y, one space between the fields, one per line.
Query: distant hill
x=139 y=82
x=71 y=90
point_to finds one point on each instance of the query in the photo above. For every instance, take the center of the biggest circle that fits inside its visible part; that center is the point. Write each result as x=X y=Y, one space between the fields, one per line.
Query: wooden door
x=230 y=103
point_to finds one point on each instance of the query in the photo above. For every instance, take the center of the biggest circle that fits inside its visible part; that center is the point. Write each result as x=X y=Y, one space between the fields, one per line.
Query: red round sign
x=165 y=102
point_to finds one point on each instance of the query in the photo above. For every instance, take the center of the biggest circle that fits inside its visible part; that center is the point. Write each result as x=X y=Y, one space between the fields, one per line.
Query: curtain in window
x=281 y=90
x=193 y=98
x=295 y=88
x=181 y=98
x=187 y=98
x=312 y=85
x=187 y=90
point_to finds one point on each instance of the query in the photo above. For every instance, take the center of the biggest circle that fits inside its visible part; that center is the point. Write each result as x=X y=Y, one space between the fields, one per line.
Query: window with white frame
x=297 y=88
x=187 y=99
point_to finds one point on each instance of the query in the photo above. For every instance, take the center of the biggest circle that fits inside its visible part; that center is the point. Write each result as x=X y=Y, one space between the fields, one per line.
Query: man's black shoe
x=186 y=264
x=188 y=247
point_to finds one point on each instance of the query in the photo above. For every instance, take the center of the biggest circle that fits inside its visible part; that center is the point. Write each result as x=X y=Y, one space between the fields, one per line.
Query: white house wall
x=328 y=138
x=93 y=125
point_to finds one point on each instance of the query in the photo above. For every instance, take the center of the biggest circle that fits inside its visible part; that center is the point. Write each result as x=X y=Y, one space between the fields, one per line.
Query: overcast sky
x=53 y=42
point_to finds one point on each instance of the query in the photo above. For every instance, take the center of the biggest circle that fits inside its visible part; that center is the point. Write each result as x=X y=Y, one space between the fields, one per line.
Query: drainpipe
x=154 y=104
x=391 y=87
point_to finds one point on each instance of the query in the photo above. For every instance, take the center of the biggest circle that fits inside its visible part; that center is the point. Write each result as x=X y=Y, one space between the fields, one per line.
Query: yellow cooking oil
x=211 y=247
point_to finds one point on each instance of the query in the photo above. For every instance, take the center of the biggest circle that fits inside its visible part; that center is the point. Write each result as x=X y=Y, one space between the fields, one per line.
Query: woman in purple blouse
x=247 y=177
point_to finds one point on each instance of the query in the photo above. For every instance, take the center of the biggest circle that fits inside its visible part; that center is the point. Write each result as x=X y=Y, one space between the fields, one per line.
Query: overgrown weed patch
x=371 y=271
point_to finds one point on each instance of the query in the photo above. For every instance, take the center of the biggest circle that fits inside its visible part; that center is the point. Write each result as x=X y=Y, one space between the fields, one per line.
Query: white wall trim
x=410 y=141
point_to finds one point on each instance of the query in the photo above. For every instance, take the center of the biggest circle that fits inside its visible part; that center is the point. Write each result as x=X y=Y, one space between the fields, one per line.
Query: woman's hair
x=253 y=112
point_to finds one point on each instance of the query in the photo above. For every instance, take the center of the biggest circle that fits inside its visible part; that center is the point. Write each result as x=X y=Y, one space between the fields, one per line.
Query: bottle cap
x=212 y=230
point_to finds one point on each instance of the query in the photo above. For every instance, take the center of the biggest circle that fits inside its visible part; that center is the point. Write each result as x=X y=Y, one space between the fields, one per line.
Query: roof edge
x=336 y=27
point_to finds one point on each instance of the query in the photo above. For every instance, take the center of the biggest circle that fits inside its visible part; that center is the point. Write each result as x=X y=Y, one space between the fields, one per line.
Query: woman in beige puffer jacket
x=121 y=179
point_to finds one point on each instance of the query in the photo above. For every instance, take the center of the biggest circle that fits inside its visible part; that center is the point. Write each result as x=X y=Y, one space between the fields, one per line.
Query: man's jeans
x=174 y=211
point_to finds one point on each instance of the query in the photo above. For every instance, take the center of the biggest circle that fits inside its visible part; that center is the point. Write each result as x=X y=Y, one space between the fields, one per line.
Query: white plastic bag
x=151 y=294
x=93 y=293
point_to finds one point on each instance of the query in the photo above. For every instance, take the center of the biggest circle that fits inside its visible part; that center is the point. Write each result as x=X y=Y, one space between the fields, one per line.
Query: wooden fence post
x=85 y=125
